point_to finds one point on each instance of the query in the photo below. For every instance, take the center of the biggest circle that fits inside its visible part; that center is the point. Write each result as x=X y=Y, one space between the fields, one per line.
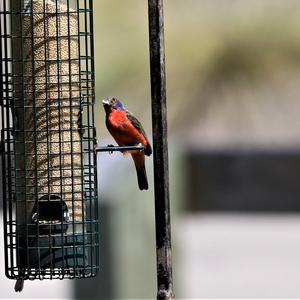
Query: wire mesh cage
x=48 y=139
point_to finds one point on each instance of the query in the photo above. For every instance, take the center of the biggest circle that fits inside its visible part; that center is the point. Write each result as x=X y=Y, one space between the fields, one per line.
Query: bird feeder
x=48 y=139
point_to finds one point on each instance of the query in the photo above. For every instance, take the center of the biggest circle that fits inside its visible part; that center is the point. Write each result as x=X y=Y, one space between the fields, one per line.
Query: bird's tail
x=142 y=178
x=139 y=162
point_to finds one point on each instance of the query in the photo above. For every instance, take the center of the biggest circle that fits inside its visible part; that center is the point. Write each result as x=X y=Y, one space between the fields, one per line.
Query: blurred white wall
x=238 y=256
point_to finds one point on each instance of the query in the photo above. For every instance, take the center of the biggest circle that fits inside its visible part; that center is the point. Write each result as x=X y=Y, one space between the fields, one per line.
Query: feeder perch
x=48 y=137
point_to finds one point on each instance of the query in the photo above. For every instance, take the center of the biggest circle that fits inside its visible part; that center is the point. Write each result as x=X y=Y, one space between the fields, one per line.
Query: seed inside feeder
x=48 y=110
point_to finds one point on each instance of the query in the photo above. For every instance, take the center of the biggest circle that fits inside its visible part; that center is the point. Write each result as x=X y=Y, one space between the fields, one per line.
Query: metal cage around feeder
x=48 y=138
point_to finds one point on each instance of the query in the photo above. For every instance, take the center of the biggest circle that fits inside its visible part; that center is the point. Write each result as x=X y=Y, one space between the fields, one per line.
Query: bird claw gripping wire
x=140 y=145
x=110 y=146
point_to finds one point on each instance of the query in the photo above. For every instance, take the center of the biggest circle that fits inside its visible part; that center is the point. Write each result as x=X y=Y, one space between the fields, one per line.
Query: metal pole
x=160 y=150
x=112 y=148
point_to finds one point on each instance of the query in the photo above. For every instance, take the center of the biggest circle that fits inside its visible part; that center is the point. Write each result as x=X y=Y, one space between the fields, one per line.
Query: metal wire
x=112 y=148
x=48 y=139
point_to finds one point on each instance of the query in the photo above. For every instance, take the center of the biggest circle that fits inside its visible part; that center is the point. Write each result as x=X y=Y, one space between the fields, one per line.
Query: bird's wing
x=136 y=123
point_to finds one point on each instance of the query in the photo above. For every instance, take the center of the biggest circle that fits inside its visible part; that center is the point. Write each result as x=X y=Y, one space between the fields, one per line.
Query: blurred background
x=233 y=74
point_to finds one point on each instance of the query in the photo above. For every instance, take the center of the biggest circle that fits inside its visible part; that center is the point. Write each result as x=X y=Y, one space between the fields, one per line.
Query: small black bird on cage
x=128 y=131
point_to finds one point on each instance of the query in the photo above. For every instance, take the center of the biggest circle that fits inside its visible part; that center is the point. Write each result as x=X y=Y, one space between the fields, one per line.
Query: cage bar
x=48 y=139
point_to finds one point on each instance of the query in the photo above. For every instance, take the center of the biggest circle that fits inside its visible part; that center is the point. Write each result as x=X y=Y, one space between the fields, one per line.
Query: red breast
x=122 y=129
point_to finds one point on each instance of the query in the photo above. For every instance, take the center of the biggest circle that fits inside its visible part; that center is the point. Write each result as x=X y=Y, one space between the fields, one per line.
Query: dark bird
x=128 y=131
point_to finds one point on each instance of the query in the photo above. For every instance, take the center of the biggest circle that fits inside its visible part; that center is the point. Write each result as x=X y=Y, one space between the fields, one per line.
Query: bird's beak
x=105 y=101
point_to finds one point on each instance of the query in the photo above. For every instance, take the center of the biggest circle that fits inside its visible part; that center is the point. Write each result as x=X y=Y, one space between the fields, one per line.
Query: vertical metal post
x=160 y=150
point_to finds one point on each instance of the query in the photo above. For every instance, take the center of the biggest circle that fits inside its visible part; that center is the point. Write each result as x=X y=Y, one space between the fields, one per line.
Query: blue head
x=113 y=104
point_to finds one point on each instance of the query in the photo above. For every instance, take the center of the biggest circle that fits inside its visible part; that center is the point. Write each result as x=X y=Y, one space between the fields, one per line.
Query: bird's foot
x=140 y=145
x=110 y=146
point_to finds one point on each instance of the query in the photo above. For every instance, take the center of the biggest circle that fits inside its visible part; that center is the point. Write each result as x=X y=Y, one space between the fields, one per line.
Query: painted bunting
x=128 y=131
